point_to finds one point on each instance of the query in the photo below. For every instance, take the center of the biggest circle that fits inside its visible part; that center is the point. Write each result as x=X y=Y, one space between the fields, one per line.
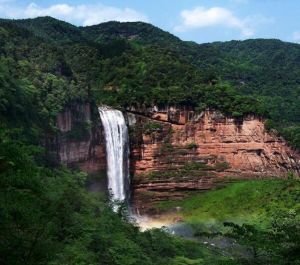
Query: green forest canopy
x=102 y=63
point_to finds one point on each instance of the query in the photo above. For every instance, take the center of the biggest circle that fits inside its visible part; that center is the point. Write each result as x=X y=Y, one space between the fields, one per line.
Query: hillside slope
x=105 y=62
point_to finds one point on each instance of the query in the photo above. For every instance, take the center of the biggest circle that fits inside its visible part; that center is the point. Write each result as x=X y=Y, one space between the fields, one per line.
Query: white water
x=117 y=153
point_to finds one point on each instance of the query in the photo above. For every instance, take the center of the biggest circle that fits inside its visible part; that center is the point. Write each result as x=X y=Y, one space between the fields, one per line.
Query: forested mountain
x=151 y=66
x=46 y=216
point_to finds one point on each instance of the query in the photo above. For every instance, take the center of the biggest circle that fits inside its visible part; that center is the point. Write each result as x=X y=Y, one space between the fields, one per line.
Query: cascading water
x=117 y=153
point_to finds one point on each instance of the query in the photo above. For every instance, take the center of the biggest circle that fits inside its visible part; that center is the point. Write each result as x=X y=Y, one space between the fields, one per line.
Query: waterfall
x=117 y=152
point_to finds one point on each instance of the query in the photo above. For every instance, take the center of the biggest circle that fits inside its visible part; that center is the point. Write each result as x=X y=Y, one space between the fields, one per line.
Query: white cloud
x=296 y=36
x=79 y=14
x=201 y=17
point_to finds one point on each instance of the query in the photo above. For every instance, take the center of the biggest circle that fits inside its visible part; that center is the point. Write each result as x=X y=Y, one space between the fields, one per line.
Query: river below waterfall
x=169 y=223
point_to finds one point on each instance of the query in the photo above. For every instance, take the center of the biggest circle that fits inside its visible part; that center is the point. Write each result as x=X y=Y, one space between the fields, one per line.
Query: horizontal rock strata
x=176 y=149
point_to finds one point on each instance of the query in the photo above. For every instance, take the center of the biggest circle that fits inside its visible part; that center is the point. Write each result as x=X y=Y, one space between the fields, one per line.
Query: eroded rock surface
x=80 y=142
x=177 y=149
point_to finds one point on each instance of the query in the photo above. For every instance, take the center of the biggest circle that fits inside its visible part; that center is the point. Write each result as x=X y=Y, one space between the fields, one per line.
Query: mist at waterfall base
x=117 y=154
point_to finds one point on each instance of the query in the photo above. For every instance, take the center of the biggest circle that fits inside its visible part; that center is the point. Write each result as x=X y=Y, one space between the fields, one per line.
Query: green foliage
x=191 y=145
x=166 y=148
x=278 y=244
x=221 y=166
x=196 y=166
x=52 y=29
x=138 y=32
x=47 y=217
x=191 y=170
x=136 y=64
x=218 y=166
x=251 y=202
x=261 y=215
x=80 y=131
x=151 y=127
x=292 y=134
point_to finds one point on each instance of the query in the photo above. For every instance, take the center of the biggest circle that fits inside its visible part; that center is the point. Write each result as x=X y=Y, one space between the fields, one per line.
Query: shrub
x=80 y=131
x=166 y=147
x=191 y=145
x=151 y=127
x=221 y=166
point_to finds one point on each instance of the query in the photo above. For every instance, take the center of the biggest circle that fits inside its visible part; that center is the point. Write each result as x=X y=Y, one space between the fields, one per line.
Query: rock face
x=211 y=138
x=176 y=149
x=80 y=141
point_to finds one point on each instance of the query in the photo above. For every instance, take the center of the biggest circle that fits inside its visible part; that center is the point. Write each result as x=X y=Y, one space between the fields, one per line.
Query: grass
x=251 y=201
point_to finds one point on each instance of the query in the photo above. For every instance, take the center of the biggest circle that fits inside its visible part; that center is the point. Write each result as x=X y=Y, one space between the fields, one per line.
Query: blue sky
x=196 y=20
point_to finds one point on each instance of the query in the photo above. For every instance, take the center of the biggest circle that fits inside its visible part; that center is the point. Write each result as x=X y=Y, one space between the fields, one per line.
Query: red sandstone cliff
x=210 y=137
x=176 y=149
x=181 y=136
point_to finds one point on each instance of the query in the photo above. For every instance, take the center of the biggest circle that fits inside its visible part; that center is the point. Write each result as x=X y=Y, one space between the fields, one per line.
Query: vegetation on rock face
x=191 y=145
x=151 y=127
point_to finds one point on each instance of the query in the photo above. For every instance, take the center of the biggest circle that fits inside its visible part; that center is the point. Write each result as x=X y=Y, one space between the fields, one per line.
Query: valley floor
x=236 y=220
x=250 y=201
